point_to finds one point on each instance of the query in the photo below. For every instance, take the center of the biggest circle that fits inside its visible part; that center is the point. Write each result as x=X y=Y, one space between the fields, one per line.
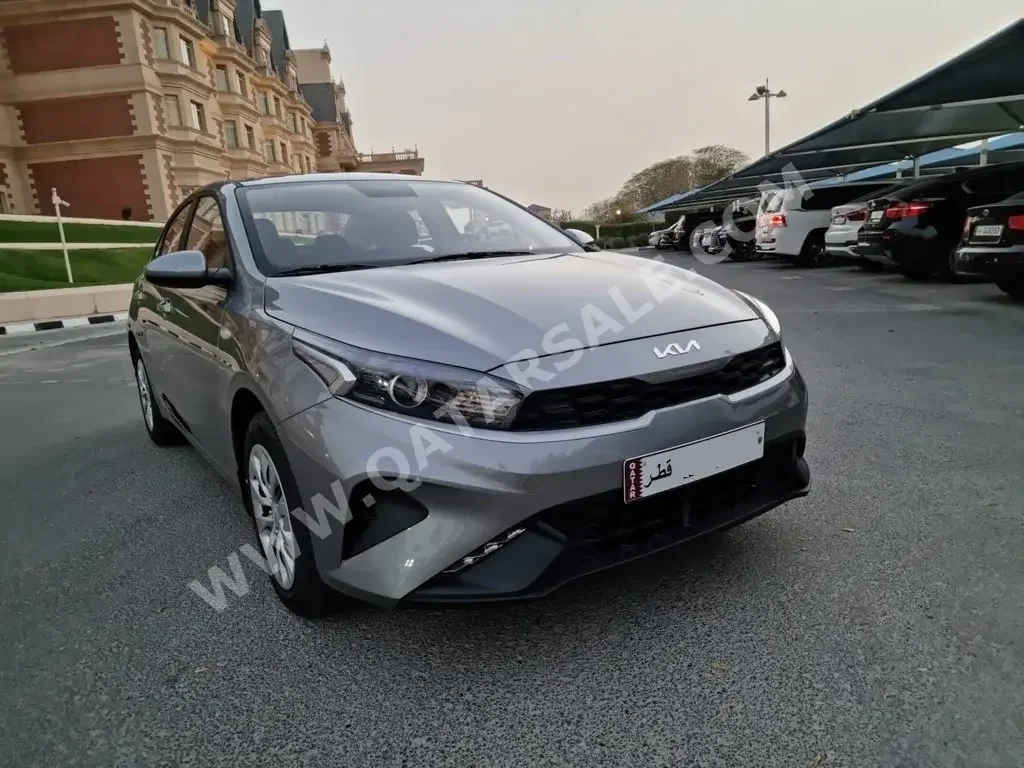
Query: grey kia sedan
x=428 y=395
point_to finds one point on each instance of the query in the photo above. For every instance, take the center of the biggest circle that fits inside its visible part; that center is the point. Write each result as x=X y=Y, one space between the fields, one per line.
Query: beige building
x=132 y=104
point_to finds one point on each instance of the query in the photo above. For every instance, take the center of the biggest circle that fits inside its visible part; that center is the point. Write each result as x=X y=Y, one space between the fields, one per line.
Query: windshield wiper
x=321 y=269
x=472 y=255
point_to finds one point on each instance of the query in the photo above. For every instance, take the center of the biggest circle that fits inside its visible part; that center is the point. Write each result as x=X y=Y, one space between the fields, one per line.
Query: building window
x=221 y=76
x=241 y=83
x=284 y=153
x=188 y=52
x=250 y=137
x=277 y=106
x=163 y=49
x=228 y=25
x=231 y=134
x=264 y=103
x=198 y=116
x=270 y=150
x=294 y=121
x=172 y=108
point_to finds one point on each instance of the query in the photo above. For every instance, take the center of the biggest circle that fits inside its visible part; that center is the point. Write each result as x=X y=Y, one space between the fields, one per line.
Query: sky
x=558 y=102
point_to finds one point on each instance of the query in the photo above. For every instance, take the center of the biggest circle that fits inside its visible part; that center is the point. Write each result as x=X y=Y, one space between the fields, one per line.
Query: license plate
x=656 y=473
x=989 y=230
x=839 y=220
x=876 y=215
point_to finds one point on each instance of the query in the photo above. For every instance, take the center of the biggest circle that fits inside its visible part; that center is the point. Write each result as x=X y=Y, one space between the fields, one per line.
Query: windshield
x=325 y=224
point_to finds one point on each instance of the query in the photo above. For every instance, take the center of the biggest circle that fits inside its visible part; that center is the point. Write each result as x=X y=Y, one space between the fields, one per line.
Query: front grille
x=603 y=530
x=624 y=399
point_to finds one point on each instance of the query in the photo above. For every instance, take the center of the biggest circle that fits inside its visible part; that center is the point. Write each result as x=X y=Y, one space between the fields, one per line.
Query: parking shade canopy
x=976 y=95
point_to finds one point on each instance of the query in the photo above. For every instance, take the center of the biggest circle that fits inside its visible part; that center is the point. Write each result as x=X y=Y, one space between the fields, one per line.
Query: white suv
x=792 y=222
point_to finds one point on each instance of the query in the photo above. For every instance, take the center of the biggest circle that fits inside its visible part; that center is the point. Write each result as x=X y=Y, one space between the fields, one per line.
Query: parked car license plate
x=988 y=230
x=655 y=473
x=876 y=215
x=839 y=219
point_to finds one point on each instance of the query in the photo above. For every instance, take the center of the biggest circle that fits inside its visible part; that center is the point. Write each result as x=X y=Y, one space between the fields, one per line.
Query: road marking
x=792 y=277
x=848 y=288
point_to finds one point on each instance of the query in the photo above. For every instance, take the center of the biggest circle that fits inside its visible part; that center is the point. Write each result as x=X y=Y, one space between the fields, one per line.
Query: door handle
x=164 y=306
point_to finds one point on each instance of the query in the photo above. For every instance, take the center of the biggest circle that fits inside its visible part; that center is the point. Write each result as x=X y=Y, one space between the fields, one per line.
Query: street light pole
x=764 y=92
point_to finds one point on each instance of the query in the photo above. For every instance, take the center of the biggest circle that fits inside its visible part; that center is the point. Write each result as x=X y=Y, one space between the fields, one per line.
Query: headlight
x=413 y=387
x=764 y=310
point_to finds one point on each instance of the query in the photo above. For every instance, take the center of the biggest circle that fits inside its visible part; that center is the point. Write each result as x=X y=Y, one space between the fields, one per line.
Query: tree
x=613 y=210
x=560 y=216
x=715 y=162
x=658 y=181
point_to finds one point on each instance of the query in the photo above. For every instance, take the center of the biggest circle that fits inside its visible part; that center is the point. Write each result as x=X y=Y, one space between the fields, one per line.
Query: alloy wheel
x=145 y=395
x=273 y=517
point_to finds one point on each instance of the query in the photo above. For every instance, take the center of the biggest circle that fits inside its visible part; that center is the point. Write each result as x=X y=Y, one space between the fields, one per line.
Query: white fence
x=71 y=220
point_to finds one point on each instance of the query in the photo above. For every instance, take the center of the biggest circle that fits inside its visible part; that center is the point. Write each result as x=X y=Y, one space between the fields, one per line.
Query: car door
x=198 y=371
x=154 y=306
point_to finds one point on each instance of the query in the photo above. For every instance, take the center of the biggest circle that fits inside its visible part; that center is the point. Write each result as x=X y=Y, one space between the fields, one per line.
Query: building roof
x=321 y=98
x=279 y=43
x=536 y=208
x=246 y=13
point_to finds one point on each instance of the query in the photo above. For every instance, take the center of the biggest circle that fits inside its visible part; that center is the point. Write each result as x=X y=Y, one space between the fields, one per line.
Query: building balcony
x=170 y=69
x=183 y=10
x=407 y=162
x=232 y=102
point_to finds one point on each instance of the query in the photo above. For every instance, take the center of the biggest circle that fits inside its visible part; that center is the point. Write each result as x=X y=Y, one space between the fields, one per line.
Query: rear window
x=774 y=203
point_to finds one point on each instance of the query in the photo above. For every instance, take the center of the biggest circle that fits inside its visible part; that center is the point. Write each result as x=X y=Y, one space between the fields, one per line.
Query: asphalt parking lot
x=876 y=623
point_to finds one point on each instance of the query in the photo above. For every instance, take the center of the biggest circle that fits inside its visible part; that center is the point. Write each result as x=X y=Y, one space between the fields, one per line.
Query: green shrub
x=618 y=242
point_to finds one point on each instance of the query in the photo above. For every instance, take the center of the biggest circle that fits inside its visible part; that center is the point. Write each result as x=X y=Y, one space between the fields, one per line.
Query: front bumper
x=996 y=263
x=475 y=488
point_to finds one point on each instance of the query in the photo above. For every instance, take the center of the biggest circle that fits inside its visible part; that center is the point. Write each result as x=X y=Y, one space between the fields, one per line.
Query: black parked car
x=993 y=244
x=919 y=227
x=739 y=229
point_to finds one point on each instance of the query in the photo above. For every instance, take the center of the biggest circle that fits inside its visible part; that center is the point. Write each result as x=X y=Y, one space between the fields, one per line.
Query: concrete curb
x=67 y=322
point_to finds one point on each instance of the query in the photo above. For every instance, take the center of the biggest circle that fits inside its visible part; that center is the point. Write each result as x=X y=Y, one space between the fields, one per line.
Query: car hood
x=482 y=314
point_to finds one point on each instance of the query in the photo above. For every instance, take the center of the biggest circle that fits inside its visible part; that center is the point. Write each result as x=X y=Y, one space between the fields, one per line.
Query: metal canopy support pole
x=917 y=167
x=983 y=157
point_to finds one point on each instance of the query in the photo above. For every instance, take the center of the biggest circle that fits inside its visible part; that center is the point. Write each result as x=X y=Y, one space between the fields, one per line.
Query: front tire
x=160 y=430
x=271 y=495
x=1014 y=288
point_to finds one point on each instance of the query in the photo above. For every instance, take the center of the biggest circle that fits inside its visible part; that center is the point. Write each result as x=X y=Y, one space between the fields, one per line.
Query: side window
x=172 y=235
x=207 y=234
x=996 y=184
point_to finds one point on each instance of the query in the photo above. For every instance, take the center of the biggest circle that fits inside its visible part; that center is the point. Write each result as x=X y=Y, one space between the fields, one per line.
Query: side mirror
x=184 y=269
x=580 y=236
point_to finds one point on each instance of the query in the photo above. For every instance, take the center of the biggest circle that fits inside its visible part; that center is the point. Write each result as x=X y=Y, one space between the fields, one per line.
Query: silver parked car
x=476 y=413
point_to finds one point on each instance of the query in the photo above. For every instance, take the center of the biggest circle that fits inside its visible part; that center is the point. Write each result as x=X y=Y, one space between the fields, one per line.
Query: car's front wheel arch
x=245 y=405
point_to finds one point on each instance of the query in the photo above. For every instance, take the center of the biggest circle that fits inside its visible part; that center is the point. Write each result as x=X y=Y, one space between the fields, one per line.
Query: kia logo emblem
x=676 y=349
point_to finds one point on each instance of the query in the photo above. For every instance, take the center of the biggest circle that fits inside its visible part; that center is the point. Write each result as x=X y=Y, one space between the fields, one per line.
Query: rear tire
x=160 y=430
x=812 y=254
x=1014 y=288
x=919 y=272
x=271 y=495
x=946 y=269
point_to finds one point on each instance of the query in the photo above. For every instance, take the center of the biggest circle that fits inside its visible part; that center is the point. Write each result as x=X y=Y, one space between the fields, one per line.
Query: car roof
x=979 y=171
